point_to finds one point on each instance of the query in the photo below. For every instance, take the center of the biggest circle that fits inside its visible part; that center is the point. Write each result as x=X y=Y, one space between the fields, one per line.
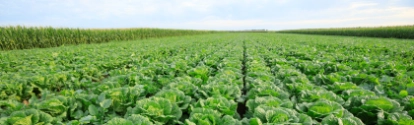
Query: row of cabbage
x=267 y=102
x=31 y=71
x=202 y=97
x=217 y=98
x=139 y=86
x=335 y=92
x=169 y=105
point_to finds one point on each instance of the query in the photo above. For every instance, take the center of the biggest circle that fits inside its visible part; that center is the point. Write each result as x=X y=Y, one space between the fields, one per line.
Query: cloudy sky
x=206 y=14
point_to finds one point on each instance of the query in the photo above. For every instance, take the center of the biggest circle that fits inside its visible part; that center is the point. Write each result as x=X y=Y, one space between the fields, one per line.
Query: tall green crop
x=20 y=37
x=404 y=32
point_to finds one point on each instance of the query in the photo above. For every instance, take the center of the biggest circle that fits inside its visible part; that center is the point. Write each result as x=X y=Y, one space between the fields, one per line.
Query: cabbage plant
x=158 y=109
x=279 y=115
x=30 y=116
x=333 y=120
x=225 y=90
x=134 y=119
x=371 y=109
x=356 y=93
x=207 y=116
x=270 y=90
x=201 y=72
x=339 y=87
x=175 y=96
x=322 y=108
x=185 y=86
x=124 y=97
x=315 y=95
x=221 y=104
x=267 y=101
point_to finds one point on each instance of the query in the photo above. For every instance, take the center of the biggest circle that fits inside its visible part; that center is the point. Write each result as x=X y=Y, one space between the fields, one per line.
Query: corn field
x=20 y=37
x=405 y=32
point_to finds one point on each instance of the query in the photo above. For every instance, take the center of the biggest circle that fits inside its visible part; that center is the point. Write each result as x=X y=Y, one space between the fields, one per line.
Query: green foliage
x=200 y=72
x=9 y=106
x=269 y=101
x=356 y=93
x=213 y=79
x=175 y=96
x=297 y=88
x=280 y=115
x=271 y=90
x=119 y=121
x=53 y=107
x=315 y=95
x=30 y=116
x=333 y=120
x=216 y=90
x=408 y=104
x=404 y=32
x=124 y=97
x=394 y=119
x=221 y=104
x=19 y=37
x=339 y=87
x=403 y=93
x=321 y=109
x=372 y=109
x=132 y=120
x=185 y=85
x=207 y=116
x=158 y=109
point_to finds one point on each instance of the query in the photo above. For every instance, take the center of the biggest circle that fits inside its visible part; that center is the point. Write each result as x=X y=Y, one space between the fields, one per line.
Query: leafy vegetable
x=206 y=116
x=9 y=106
x=280 y=115
x=322 y=108
x=158 y=109
x=296 y=88
x=53 y=107
x=267 y=91
x=119 y=121
x=200 y=72
x=370 y=108
x=394 y=119
x=356 y=93
x=175 y=96
x=333 y=120
x=221 y=104
x=185 y=84
x=124 y=97
x=339 y=87
x=216 y=90
x=269 y=101
x=30 y=116
x=132 y=120
x=408 y=103
x=315 y=95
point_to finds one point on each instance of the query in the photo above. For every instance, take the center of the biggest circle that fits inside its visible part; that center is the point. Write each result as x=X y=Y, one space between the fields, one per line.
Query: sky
x=207 y=14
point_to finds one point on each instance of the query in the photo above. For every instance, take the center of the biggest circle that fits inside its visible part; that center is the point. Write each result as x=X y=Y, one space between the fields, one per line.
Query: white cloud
x=349 y=17
x=355 y=5
x=147 y=7
x=205 y=14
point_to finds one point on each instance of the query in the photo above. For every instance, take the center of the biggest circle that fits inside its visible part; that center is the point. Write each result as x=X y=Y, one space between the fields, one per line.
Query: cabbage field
x=212 y=79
